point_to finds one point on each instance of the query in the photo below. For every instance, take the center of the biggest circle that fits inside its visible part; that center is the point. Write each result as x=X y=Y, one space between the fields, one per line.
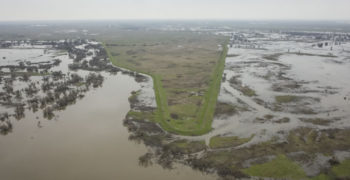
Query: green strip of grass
x=205 y=115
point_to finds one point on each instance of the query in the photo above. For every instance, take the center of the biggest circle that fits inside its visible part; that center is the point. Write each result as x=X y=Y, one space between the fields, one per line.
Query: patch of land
x=280 y=167
x=186 y=69
x=237 y=84
x=227 y=141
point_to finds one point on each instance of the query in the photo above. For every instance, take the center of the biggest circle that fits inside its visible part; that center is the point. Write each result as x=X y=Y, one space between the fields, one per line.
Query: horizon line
x=181 y=19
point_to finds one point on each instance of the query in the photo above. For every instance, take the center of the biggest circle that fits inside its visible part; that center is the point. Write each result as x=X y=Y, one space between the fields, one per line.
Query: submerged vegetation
x=286 y=99
x=237 y=84
x=53 y=90
x=272 y=57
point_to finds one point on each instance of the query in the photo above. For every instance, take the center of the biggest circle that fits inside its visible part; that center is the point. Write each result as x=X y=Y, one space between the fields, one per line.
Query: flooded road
x=85 y=141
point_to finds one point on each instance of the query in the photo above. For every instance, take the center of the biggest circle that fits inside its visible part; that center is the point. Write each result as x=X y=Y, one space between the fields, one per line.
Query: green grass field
x=186 y=69
x=280 y=167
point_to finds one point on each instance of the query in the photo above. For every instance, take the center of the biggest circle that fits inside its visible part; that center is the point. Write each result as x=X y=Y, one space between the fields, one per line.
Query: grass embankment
x=206 y=114
x=195 y=112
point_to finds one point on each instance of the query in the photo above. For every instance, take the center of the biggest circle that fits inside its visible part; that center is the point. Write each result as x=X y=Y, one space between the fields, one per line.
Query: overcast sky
x=174 y=9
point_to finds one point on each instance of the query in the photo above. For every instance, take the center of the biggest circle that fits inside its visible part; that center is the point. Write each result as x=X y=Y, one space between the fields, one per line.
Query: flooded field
x=282 y=112
x=281 y=86
x=285 y=97
x=86 y=140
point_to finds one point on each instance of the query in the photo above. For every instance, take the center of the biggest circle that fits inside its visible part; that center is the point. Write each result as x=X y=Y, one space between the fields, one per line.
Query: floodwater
x=321 y=78
x=85 y=141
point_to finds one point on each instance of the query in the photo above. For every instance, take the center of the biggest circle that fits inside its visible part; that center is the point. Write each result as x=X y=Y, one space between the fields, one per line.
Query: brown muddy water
x=85 y=141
